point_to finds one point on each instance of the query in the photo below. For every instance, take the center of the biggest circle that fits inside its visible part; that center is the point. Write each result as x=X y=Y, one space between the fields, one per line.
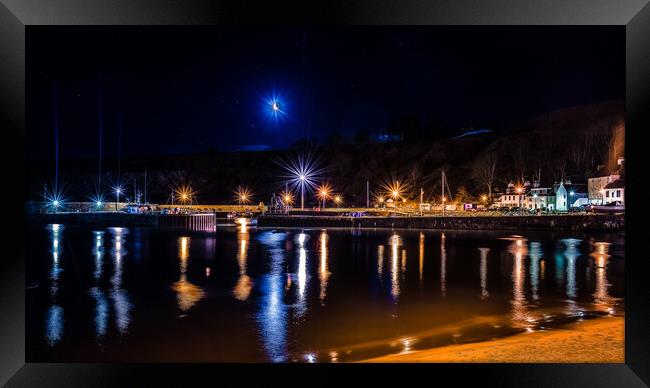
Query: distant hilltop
x=570 y=142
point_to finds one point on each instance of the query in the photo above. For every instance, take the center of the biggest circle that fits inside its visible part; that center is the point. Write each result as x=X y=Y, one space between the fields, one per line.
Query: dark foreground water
x=148 y=294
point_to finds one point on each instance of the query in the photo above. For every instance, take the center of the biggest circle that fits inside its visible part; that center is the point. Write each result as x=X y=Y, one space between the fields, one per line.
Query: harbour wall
x=582 y=222
x=595 y=222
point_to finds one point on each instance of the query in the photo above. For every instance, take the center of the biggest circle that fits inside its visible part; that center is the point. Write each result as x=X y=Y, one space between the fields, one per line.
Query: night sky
x=189 y=89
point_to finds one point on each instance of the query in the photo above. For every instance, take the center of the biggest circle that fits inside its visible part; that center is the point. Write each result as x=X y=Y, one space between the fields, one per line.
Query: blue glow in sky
x=275 y=108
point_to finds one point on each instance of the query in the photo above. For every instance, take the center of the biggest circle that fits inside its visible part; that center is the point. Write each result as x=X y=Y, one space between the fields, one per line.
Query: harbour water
x=147 y=294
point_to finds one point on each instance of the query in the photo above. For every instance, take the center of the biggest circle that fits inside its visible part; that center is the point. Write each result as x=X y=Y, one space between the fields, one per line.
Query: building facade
x=614 y=192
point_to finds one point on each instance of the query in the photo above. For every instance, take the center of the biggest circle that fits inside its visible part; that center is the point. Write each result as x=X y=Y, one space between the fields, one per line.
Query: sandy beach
x=599 y=340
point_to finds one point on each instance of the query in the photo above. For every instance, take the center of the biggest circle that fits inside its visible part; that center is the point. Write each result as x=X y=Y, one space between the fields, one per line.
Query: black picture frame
x=17 y=15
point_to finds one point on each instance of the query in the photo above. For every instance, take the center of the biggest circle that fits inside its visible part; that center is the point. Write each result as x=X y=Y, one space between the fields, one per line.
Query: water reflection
x=323 y=272
x=512 y=298
x=272 y=317
x=187 y=294
x=380 y=261
x=535 y=255
x=519 y=307
x=301 y=306
x=395 y=242
x=121 y=303
x=101 y=304
x=421 y=255
x=571 y=254
x=602 y=300
x=98 y=254
x=443 y=266
x=54 y=317
x=484 y=292
x=244 y=283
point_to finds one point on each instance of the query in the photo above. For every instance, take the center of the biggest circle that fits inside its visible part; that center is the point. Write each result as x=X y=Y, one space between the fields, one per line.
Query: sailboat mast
x=55 y=117
x=442 y=197
x=101 y=131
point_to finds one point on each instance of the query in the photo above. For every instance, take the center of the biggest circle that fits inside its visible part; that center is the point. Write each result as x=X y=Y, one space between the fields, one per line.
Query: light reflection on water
x=188 y=294
x=244 y=283
x=54 y=319
x=272 y=317
x=274 y=268
x=484 y=291
x=121 y=303
x=323 y=272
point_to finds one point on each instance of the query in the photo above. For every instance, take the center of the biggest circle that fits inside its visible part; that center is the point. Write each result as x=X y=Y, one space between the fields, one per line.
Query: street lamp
x=118 y=191
x=338 y=200
x=303 y=171
x=324 y=192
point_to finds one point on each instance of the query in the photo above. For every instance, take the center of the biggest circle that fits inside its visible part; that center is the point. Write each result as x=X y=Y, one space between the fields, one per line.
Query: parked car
x=612 y=207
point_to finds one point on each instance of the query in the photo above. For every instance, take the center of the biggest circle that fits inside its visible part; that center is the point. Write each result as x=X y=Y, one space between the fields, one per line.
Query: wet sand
x=599 y=340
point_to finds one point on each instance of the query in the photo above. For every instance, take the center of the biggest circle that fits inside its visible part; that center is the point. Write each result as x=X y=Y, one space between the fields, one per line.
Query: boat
x=242 y=218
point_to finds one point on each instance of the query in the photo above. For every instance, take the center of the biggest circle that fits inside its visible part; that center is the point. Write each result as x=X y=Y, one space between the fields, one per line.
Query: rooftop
x=617 y=184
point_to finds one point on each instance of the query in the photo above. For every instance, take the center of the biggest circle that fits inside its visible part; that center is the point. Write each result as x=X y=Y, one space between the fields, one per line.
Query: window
x=618 y=193
x=607 y=194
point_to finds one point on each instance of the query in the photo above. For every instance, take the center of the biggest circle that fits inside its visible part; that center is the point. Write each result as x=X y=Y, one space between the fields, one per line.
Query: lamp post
x=117 y=197
x=302 y=192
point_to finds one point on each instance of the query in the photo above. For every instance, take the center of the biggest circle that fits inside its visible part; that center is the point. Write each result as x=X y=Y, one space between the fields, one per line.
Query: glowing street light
x=243 y=195
x=54 y=200
x=394 y=189
x=118 y=189
x=302 y=172
x=185 y=193
x=324 y=192
x=519 y=191
x=98 y=200
x=338 y=199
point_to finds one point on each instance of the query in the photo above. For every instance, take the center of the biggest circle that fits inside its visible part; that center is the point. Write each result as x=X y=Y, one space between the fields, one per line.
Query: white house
x=577 y=194
x=597 y=183
x=614 y=191
x=540 y=198
x=561 y=200
x=515 y=196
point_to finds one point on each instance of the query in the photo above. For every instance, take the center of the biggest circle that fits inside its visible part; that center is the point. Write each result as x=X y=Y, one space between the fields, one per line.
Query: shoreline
x=567 y=222
x=598 y=340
